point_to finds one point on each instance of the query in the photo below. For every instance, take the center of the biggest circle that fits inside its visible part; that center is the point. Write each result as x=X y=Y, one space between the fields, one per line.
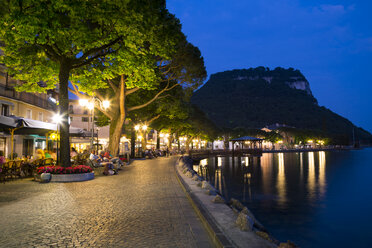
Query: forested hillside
x=259 y=97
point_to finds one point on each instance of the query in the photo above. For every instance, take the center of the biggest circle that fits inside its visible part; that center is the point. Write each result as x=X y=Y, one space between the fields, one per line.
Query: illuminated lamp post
x=137 y=128
x=91 y=105
x=57 y=118
x=141 y=129
x=144 y=129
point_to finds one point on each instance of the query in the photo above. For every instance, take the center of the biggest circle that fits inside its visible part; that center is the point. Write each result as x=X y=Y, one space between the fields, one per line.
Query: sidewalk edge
x=215 y=233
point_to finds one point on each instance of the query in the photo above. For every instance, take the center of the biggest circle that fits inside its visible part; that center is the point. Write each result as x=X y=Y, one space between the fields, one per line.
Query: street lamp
x=137 y=127
x=57 y=118
x=141 y=129
x=91 y=105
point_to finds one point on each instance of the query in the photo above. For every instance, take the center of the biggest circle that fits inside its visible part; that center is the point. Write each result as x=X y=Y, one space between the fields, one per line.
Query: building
x=35 y=106
x=82 y=117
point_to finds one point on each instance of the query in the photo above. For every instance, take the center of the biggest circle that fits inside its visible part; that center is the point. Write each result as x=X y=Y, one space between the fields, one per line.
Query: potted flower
x=65 y=174
x=45 y=173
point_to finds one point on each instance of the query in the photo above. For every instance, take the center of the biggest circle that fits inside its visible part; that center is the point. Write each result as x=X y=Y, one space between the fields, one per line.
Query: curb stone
x=217 y=236
x=223 y=216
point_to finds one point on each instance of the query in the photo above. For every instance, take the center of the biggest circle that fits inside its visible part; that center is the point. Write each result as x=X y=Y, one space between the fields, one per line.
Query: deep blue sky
x=330 y=42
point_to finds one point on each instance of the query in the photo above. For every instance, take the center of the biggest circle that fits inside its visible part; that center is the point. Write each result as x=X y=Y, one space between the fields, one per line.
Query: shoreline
x=221 y=217
x=311 y=150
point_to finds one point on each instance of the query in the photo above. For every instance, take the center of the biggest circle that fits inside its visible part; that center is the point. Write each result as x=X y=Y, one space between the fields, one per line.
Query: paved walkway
x=143 y=206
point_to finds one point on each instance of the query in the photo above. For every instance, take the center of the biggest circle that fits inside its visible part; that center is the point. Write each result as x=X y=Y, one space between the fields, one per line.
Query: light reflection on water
x=278 y=181
x=281 y=185
x=271 y=165
x=311 y=176
x=322 y=176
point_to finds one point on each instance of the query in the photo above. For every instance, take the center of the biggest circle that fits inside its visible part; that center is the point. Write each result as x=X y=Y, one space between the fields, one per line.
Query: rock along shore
x=229 y=223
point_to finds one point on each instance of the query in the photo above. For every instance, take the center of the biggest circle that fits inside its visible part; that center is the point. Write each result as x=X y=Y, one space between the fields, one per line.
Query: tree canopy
x=61 y=40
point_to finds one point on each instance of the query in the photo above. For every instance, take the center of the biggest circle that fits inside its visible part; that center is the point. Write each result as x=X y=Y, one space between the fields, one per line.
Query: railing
x=223 y=152
x=30 y=98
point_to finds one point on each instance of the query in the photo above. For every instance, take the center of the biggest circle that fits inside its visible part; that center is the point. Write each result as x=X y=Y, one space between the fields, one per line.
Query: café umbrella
x=19 y=125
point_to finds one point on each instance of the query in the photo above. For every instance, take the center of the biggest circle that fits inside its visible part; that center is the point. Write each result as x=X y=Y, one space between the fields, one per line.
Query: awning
x=28 y=126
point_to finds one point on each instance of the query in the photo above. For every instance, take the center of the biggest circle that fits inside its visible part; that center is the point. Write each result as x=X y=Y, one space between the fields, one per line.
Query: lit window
x=5 y=110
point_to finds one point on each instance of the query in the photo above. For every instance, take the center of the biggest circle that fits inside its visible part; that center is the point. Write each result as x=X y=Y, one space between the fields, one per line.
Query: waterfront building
x=35 y=106
x=82 y=117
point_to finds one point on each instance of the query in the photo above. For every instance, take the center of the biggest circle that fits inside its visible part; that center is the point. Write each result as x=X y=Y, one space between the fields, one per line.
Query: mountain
x=260 y=97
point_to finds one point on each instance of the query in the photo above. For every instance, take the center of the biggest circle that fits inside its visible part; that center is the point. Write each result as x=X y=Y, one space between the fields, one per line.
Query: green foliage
x=255 y=98
x=121 y=37
x=198 y=125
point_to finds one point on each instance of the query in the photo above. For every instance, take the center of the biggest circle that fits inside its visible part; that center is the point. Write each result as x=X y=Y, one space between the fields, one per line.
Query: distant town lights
x=136 y=127
x=310 y=141
x=144 y=127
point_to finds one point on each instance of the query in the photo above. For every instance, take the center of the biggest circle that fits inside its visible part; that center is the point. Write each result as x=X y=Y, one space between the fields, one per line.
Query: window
x=29 y=114
x=2 y=145
x=40 y=116
x=85 y=112
x=28 y=147
x=71 y=109
x=84 y=119
x=5 y=110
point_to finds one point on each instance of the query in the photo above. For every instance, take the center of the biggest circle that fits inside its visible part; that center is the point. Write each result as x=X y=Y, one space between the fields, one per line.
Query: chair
x=18 y=168
x=37 y=163
x=9 y=169
x=82 y=159
x=48 y=162
x=75 y=159
x=2 y=174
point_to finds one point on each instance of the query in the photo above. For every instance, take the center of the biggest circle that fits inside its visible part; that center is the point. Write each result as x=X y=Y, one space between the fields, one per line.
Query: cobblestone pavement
x=143 y=206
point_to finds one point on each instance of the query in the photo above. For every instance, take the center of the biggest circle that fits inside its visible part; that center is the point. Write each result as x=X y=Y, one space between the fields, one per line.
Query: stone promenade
x=143 y=206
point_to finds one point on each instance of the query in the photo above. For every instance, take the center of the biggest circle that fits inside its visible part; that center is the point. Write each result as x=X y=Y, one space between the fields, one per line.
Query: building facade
x=35 y=106
x=82 y=117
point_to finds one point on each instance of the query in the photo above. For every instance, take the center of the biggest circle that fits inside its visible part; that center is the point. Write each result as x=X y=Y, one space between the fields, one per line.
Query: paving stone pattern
x=143 y=206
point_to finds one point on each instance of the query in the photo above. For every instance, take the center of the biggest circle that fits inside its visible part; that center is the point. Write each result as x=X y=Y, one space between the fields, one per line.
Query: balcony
x=30 y=98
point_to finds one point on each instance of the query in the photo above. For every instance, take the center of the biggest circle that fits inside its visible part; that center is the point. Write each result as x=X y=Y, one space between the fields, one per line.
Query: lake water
x=316 y=199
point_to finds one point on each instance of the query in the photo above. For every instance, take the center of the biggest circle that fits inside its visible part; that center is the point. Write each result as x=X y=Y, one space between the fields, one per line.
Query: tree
x=196 y=125
x=132 y=89
x=273 y=137
x=55 y=41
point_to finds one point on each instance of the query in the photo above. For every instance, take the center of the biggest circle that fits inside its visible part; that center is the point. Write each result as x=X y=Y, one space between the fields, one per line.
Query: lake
x=315 y=199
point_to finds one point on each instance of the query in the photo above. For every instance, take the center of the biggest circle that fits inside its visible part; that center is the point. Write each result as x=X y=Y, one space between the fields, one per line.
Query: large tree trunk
x=144 y=141
x=158 y=140
x=64 y=71
x=117 y=121
x=116 y=127
x=188 y=141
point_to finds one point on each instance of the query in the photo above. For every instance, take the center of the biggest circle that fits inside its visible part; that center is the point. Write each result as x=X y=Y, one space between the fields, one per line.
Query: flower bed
x=59 y=170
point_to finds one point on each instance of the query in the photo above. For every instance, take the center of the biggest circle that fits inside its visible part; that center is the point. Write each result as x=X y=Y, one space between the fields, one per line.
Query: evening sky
x=330 y=42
